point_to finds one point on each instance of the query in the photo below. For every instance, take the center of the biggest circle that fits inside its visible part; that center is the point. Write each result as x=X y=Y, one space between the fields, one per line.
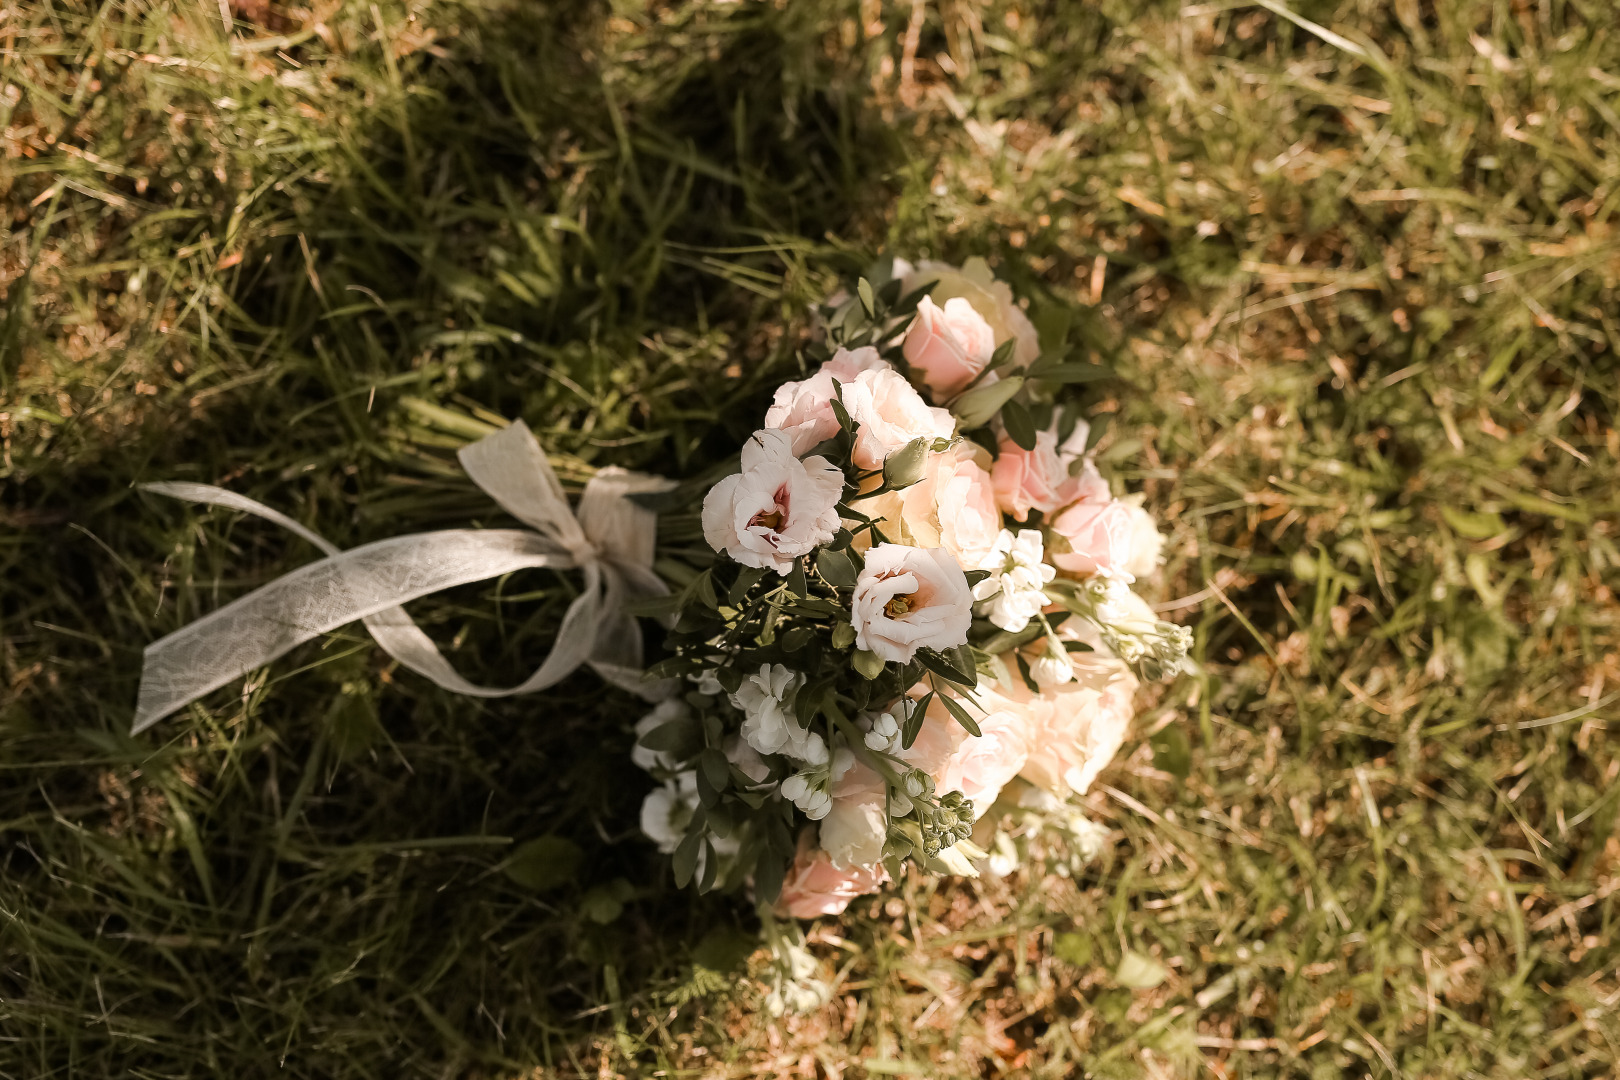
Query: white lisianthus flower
x=667 y=811
x=777 y=508
x=1015 y=591
x=769 y=725
x=672 y=709
x=907 y=598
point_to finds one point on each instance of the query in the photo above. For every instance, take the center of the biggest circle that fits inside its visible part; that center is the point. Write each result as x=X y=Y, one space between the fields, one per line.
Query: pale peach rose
x=1093 y=536
x=1077 y=726
x=1049 y=477
x=803 y=409
x=814 y=886
x=1143 y=549
x=953 y=506
x=889 y=413
x=948 y=346
x=992 y=299
x=855 y=829
x=982 y=765
x=907 y=598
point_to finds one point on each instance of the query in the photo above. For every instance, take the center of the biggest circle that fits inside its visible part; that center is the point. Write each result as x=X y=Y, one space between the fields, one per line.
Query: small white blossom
x=1003 y=858
x=1015 y=591
x=667 y=811
x=707 y=681
x=770 y=726
x=672 y=709
x=1090 y=838
x=883 y=735
x=808 y=792
x=1054 y=667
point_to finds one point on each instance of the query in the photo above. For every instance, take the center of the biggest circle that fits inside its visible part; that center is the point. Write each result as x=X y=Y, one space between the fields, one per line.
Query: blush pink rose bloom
x=984 y=764
x=1044 y=478
x=888 y=413
x=1097 y=536
x=803 y=409
x=1078 y=726
x=975 y=283
x=948 y=346
x=777 y=508
x=953 y=506
x=814 y=886
x=906 y=598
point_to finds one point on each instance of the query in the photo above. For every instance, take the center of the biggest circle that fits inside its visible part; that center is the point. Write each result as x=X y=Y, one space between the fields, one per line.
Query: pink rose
x=954 y=505
x=983 y=765
x=803 y=409
x=1076 y=727
x=888 y=413
x=1097 y=536
x=814 y=886
x=1028 y=480
x=948 y=346
x=992 y=299
x=1040 y=479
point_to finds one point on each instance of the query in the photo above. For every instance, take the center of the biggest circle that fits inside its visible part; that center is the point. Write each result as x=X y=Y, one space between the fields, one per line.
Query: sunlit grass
x=1354 y=264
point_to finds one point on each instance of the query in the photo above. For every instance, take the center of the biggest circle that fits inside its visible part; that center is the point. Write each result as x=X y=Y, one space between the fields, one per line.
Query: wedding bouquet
x=920 y=603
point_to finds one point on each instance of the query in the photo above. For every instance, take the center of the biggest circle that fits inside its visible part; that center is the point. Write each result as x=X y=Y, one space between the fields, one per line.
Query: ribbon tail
x=317 y=599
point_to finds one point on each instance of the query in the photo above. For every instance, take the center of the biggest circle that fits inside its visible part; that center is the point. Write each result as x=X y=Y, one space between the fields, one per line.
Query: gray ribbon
x=611 y=540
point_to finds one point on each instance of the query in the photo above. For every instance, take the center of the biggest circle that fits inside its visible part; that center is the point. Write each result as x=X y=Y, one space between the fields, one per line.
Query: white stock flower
x=672 y=709
x=777 y=508
x=801 y=790
x=769 y=726
x=707 y=681
x=907 y=598
x=1015 y=591
x=667 y=811
x=883 y=733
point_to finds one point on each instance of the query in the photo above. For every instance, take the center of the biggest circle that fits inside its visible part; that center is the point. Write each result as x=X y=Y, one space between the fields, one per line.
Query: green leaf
x=703 y=589
x=975 y=576
x=1171 y=751
x=913 y=727
x=1075 y=373
x=1020 y=427
x=869 y=664
x=843 y=635
x=546 y=862
x=605 y=903
x=1473 y=525
x=654 y=607
x=1073 y=947
x=1024 y=673
x=955 y=708
x=674 y=737
x=797 y=638
x=976 y=407
x=796 y=585
x=768 y=873
x=1140 y=972
x=836 y=567
x=936 y=663
x=686 y=857
x=864 y=289
x=716 y=768
x=747 y=578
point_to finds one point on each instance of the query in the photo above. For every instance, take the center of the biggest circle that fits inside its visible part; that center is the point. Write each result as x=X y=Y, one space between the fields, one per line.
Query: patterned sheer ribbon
x=611 y=541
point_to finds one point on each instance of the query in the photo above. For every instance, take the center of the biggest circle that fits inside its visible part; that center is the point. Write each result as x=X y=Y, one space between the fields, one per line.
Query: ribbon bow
x=611 y=540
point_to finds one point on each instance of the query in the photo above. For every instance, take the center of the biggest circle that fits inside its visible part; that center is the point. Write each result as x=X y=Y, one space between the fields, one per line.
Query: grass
x=1355 y=265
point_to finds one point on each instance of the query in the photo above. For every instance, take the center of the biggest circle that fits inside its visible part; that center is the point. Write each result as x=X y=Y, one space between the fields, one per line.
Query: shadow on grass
x=313 y=880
